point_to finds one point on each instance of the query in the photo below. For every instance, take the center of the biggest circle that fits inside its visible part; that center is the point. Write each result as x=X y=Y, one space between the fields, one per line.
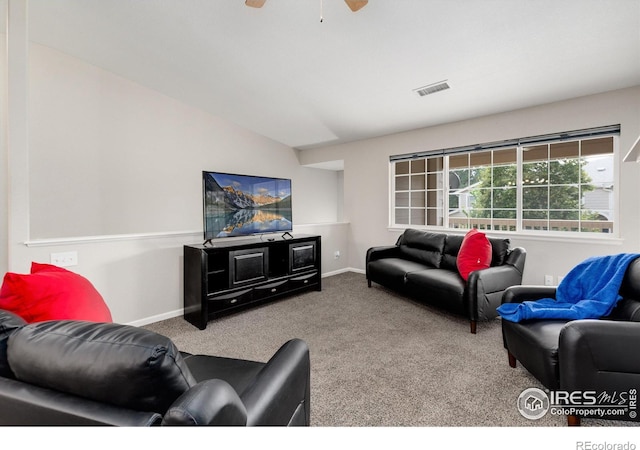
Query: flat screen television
x=242 y=205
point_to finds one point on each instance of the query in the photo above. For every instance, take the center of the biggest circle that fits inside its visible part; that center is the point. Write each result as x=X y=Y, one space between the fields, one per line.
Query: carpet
x=379 y=359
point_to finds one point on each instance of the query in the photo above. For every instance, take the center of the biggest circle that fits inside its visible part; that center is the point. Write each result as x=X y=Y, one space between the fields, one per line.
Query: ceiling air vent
x=432 y=88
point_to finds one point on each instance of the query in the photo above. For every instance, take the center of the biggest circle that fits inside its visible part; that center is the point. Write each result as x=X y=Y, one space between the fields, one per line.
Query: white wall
x=366 y=174
x=114 y=173
x=3 y=140
x=108 y=156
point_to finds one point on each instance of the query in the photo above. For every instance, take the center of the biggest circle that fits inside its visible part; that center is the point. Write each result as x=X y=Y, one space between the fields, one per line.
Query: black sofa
x=85 y=373
x=422 y=265
x=580 y=355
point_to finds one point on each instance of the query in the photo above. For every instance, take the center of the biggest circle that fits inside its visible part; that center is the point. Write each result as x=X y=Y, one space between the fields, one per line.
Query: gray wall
x=366 y=176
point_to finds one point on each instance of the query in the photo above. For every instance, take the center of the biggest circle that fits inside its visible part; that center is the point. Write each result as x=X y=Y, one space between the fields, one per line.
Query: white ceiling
x=282 y=73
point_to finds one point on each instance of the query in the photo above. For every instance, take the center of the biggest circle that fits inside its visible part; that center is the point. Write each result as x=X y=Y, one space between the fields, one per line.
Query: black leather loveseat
x=422 y=265
x=585 y=355
x=86 y=373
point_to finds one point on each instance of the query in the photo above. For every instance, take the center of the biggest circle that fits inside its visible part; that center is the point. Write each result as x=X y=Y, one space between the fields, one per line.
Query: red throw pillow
x=52 y=293
x=474 y=254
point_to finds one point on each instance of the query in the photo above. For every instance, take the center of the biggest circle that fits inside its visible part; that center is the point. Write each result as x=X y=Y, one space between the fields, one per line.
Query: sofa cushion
x=9 y=323
x=422 y=246
x=475 y=253
x=627 y=309
x=499 y=251
x=238 y=373
x=391 y=272
x=630 y=287
x=52 y=293
x=450 y=252
x=439 y=287
x=117 y=364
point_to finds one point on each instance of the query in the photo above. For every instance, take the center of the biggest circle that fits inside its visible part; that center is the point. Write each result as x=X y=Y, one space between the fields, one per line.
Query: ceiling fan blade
x=355 y=5
x=255 y=3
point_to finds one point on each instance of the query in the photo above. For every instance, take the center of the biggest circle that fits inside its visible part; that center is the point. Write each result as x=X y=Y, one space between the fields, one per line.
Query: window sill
x=582 y=238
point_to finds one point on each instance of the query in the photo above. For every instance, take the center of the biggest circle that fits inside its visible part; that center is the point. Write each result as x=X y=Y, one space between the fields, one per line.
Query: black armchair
x=85 y=373
x=580 y=355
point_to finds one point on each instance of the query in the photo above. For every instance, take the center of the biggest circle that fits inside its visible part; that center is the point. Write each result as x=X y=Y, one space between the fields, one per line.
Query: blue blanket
x=589 y=291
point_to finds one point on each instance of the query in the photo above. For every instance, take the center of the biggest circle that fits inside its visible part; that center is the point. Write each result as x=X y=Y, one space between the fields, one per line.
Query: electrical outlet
x=548 y=280
x=336 y=255
x=64 y=259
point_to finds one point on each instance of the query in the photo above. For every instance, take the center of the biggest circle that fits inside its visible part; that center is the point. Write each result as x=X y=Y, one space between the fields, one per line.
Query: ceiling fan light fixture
x=355 y=5
x=255 y=3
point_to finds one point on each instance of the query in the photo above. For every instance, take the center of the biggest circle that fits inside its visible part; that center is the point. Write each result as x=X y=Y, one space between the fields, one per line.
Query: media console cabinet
x=228 y=275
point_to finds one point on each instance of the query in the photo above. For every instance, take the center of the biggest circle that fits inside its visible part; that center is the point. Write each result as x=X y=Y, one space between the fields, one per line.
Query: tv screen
x=240 y=205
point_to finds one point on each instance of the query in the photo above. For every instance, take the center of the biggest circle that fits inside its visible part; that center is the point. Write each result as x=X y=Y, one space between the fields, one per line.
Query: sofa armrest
x=519 y=294
x=516 y=258
x=494 y=279
x=485 y=289
x=387 y=251
x=280 y=393
x=499 y=278
x=210 y=402
x=599 y=355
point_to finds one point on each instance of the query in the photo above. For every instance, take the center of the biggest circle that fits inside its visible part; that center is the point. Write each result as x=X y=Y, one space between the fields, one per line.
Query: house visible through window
x=558 y=183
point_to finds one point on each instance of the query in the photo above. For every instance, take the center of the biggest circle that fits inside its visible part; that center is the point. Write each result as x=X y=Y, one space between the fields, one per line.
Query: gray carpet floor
x=379 y=359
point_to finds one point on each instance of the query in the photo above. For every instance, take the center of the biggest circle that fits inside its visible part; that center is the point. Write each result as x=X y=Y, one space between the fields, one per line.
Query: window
x=543 y=184
x=419 y=192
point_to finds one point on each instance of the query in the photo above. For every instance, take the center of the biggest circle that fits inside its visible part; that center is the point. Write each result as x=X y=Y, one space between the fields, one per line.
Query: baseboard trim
x=180 y=312
x=339 y=271
x=157 y=318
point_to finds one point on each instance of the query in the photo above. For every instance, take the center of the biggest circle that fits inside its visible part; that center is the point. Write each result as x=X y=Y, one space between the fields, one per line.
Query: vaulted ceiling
x=285 y=74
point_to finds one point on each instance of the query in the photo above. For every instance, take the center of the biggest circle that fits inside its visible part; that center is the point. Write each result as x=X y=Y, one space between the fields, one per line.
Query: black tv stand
x=286 y=233
x=232 y=275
